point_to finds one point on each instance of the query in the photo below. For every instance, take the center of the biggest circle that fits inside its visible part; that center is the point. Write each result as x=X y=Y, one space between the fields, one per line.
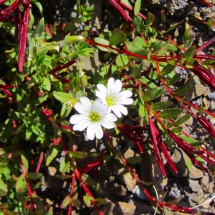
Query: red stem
x=23 y=38
x=40 y=162
x=154 y=135
x=27 y=184
x=132 y=54
x=131 y=9
x=62 y=66
x=122 y=12
x=210 y=57
x=72 y=194
x=7 y=11
x=206 y=44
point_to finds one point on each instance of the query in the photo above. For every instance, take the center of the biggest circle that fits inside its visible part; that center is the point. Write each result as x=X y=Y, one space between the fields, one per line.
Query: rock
x=129 y=153
x=127 y=209
x=129 y=181
x=211 y=187
x=194 y=185
x=195 y=173
x=205 y=182
x=197 y=197
x=121 y=208
x=198 y=90
x=52 y=170
x=181 y=160
x=175 y=192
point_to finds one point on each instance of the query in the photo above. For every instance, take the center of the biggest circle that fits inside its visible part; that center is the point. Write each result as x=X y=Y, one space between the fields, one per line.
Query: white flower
x=92 y=117
x=114 y=98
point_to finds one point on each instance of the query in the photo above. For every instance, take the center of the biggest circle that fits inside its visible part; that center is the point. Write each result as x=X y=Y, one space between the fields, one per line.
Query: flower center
x=94 y=117
x=110 y=101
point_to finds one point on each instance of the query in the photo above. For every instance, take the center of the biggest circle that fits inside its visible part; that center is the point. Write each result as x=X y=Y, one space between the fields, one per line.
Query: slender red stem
x=23 y=38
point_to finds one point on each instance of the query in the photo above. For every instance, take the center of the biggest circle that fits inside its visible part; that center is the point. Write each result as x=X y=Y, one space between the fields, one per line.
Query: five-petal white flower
x=114 y=98
x=92 y=117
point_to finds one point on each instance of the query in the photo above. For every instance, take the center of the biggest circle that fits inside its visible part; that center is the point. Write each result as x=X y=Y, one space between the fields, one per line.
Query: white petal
x=98 y=130
x=86 y=102
x=90 y=132
x=81 y=109
x=101 y=95
x=127 y=101
x=99 y=107
x=77 y=118
x=116 y=110
x=102 y=88
x=122 y=109
x=118 y=86
x=111 y=86
x=125 y=94
x=107 y=124
x=81 y=126
x=111 y=117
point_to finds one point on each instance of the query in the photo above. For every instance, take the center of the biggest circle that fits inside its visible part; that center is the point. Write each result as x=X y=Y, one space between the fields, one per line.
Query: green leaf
x=46 y=85
x=189 y=53
x=92 y=183
x=143 y=114
x=138 y=23
x=152 y=94
x=25 y=162
x=65 y=202
x=190 y=140
x=181 y=91
x=34 y=176
x=122 y=60
x=65 y=166
x=127 y=2
x=182 y=119
x=65 y=110
x=137 y=7
x=177 y=130
x=87 y=199
x=78 y=154
x=117 y=37
x=136 y=71
x=39 y=6
x=40 y=28
x=189 y=163
x=174 y=79
x=3 y=188
x=63 y=97
x=201 y=110
x=2 y=151
x=173 y=27
x=157 y=46
x=21 y=184
x=73 y=39
x=102 y=41
x=36 y=130
x=101 y=201
x=160 y=105
x=171 y=113
x=51 y=156
x=167 y=69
